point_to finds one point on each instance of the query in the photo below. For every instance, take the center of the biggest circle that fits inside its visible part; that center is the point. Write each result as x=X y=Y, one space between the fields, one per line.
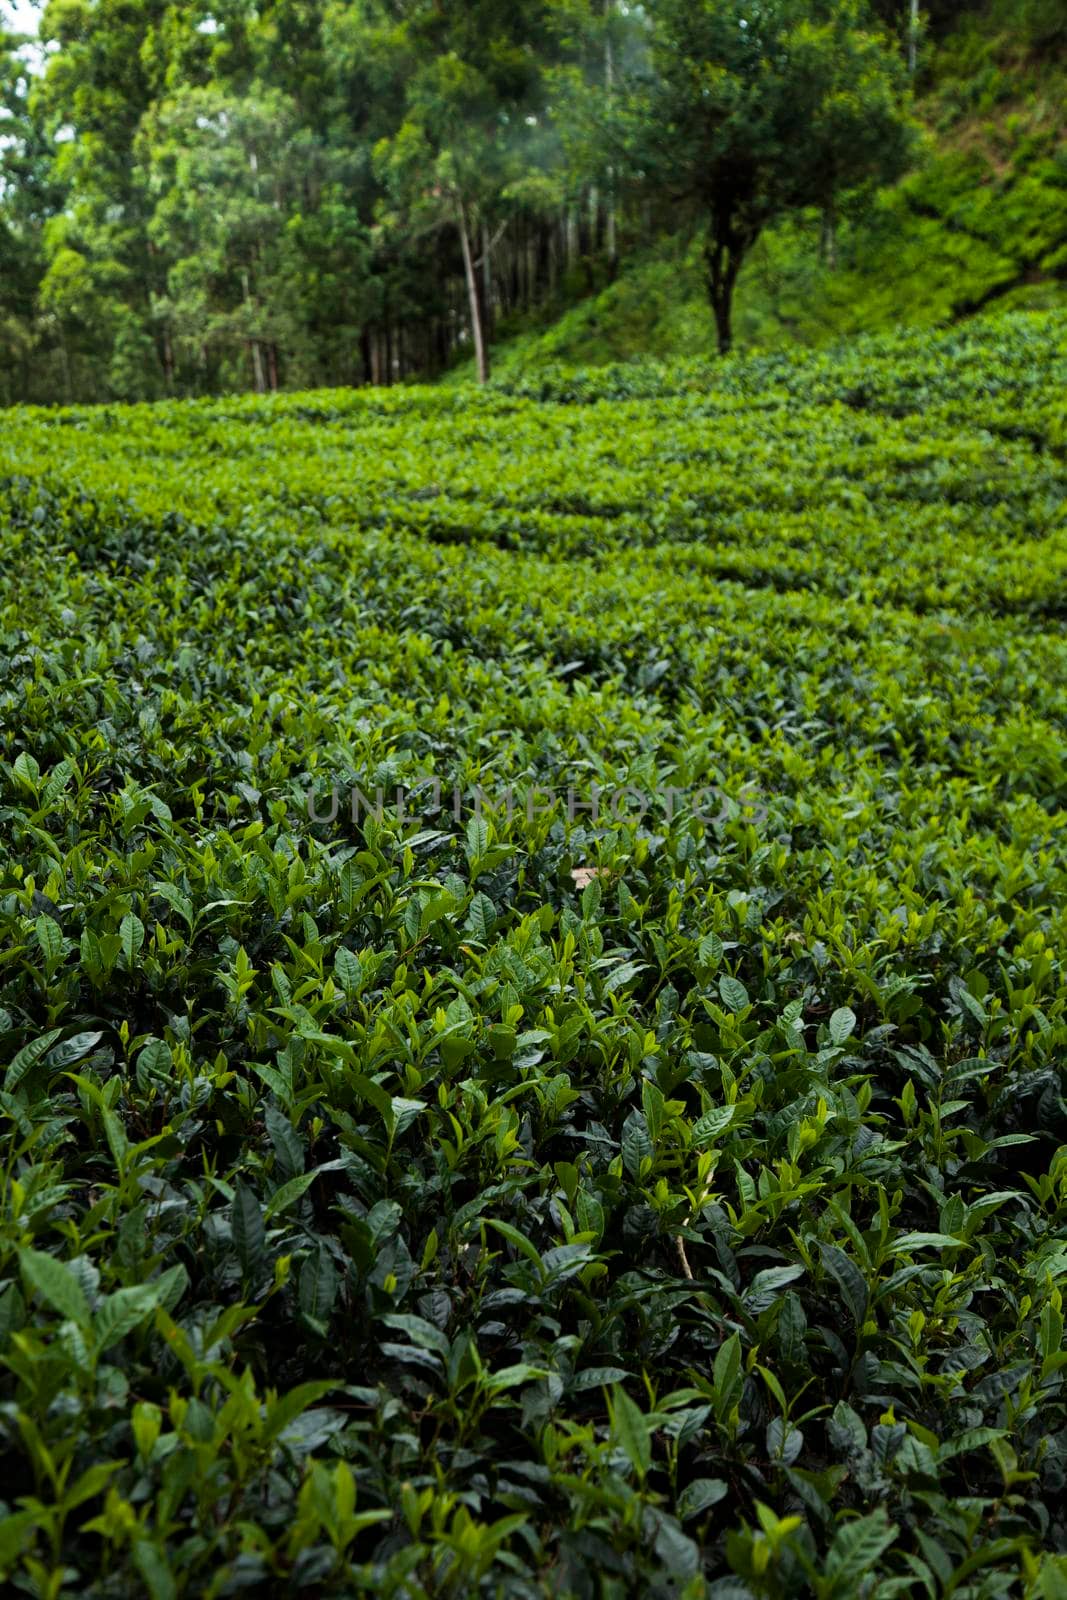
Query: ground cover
x=487 y=1195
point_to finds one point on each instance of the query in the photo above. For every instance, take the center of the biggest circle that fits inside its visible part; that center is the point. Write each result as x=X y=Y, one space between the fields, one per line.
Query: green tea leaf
x=842 y=1024
x=131 y=938
x=55 y=1282
x=733 y=993
x=246 y=1224
x=28 y=1057
x=631 y=1430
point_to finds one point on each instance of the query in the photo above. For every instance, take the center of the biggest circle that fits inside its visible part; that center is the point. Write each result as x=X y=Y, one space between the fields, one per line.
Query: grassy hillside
x=633 y=1162
x=982 y=220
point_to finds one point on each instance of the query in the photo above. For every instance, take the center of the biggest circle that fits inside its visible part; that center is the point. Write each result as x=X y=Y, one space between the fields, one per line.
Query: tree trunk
x=724 y=254
x=571 y=235
x=518 y=266
x=64 y=353
x=551 y=259
x=487 y=284
x=829 y=237
x=913 y=35
x=253 y=343
x=611 y=241
x=610 y=238
x=481 y=353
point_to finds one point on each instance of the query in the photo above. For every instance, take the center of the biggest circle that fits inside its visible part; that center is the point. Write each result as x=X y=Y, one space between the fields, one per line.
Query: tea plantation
x=628 y=1156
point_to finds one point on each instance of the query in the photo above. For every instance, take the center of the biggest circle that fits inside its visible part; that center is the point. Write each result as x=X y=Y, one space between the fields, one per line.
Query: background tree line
x=205 y=195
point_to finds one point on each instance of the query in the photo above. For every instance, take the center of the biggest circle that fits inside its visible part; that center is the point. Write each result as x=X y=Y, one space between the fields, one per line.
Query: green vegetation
x=752 y=114
x=981 y=221
x=199 y=199
x=667 y=1202
x=532 y=917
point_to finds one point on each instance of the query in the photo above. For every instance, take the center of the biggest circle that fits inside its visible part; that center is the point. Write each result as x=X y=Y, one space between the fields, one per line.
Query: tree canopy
x=206 y=195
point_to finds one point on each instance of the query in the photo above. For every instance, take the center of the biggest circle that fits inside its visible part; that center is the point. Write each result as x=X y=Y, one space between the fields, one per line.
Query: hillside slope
x=982 y=220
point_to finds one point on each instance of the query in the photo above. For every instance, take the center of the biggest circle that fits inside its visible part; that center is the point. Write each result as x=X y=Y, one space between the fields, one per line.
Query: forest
x=199 y=198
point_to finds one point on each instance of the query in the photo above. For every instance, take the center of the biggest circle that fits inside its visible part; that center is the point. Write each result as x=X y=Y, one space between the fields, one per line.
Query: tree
x=438 y=175
x=845 y=114
x=100 y=77
x=29 y=195
x=206 y=194
x=594 y=39
x=751 y=109
x=224 y=176
x=476 y=80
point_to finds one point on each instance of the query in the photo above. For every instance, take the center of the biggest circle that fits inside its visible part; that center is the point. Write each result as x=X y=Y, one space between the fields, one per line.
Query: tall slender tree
x=29 y=196
x=468 y=107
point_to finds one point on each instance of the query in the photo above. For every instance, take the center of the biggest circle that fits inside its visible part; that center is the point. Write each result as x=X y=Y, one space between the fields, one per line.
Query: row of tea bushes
x=630 y=1159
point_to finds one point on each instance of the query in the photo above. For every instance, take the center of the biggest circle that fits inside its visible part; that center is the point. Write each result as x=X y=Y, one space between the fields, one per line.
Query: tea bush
x=630 y=1159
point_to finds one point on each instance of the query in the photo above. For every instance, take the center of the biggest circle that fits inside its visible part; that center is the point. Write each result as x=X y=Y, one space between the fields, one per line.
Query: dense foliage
x=981 y=221
x=202 y=197
x=506 y=1199
x=759 y=112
